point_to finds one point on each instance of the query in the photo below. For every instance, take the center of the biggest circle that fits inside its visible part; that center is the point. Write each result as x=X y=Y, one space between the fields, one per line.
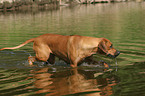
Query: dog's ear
x=102 y=46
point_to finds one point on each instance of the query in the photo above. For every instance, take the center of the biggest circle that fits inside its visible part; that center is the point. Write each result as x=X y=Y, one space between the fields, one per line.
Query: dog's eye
x=111 y=46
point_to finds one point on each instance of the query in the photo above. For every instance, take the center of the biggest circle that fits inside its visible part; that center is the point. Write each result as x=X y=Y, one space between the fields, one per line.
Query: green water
x=122 y=23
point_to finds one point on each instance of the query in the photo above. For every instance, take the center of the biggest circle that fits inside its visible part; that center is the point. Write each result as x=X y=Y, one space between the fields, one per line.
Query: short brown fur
x=72 y=49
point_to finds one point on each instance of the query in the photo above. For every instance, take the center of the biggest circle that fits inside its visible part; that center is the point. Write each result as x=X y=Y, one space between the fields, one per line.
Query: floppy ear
x=103 y=46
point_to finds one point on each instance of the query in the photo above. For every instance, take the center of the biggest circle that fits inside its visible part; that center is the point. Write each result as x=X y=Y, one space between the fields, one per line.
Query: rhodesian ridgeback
x=72 y=49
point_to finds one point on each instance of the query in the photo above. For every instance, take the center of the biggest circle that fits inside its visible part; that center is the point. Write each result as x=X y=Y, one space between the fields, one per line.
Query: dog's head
x=106 y=47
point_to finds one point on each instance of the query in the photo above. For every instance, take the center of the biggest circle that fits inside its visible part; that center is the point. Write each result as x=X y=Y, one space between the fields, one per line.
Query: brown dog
x=72 y=49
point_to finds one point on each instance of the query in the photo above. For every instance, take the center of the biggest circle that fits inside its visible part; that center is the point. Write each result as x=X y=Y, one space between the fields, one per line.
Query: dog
x=73 y=49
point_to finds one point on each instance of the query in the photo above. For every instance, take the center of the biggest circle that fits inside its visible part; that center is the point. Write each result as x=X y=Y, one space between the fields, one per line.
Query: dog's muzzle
x=115 y=55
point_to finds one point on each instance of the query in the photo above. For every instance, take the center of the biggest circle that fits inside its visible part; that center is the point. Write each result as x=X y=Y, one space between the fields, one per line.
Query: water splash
x=116 y=61
x=116 y=64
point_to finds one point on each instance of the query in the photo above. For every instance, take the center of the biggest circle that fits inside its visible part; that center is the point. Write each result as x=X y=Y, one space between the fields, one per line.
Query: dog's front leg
x=74 y=62
x=90 y=60
x=51 y=58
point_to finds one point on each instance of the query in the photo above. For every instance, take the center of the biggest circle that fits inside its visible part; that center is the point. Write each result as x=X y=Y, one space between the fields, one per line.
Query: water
x=121 y=23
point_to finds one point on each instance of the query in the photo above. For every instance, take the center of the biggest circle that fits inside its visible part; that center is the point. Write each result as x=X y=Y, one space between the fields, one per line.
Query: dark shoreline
x=45 y=4
x=28 y=5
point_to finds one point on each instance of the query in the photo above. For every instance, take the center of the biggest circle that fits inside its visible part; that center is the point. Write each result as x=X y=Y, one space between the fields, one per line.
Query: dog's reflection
x=73 y=81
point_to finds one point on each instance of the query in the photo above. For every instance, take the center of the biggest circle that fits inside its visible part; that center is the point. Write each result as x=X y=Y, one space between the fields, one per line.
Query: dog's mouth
x=115 y=55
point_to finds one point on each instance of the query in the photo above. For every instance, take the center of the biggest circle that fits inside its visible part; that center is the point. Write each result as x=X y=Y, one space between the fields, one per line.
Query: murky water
x=121 y=23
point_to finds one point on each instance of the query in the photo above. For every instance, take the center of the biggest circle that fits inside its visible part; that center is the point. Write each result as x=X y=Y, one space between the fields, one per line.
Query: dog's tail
x=30 y=40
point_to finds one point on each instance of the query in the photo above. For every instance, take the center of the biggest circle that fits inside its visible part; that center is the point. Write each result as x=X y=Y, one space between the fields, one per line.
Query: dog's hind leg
x=42 y=52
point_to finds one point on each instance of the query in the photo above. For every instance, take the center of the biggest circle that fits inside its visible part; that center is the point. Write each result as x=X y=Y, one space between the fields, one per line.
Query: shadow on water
x=72 y=82
x=52 y=81
x=43 y=81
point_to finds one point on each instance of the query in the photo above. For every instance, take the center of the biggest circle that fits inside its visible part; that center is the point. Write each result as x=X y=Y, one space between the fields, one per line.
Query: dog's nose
x=117 y=53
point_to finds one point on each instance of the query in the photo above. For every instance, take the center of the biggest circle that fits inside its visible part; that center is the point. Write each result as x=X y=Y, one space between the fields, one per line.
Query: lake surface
x=122 y=23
